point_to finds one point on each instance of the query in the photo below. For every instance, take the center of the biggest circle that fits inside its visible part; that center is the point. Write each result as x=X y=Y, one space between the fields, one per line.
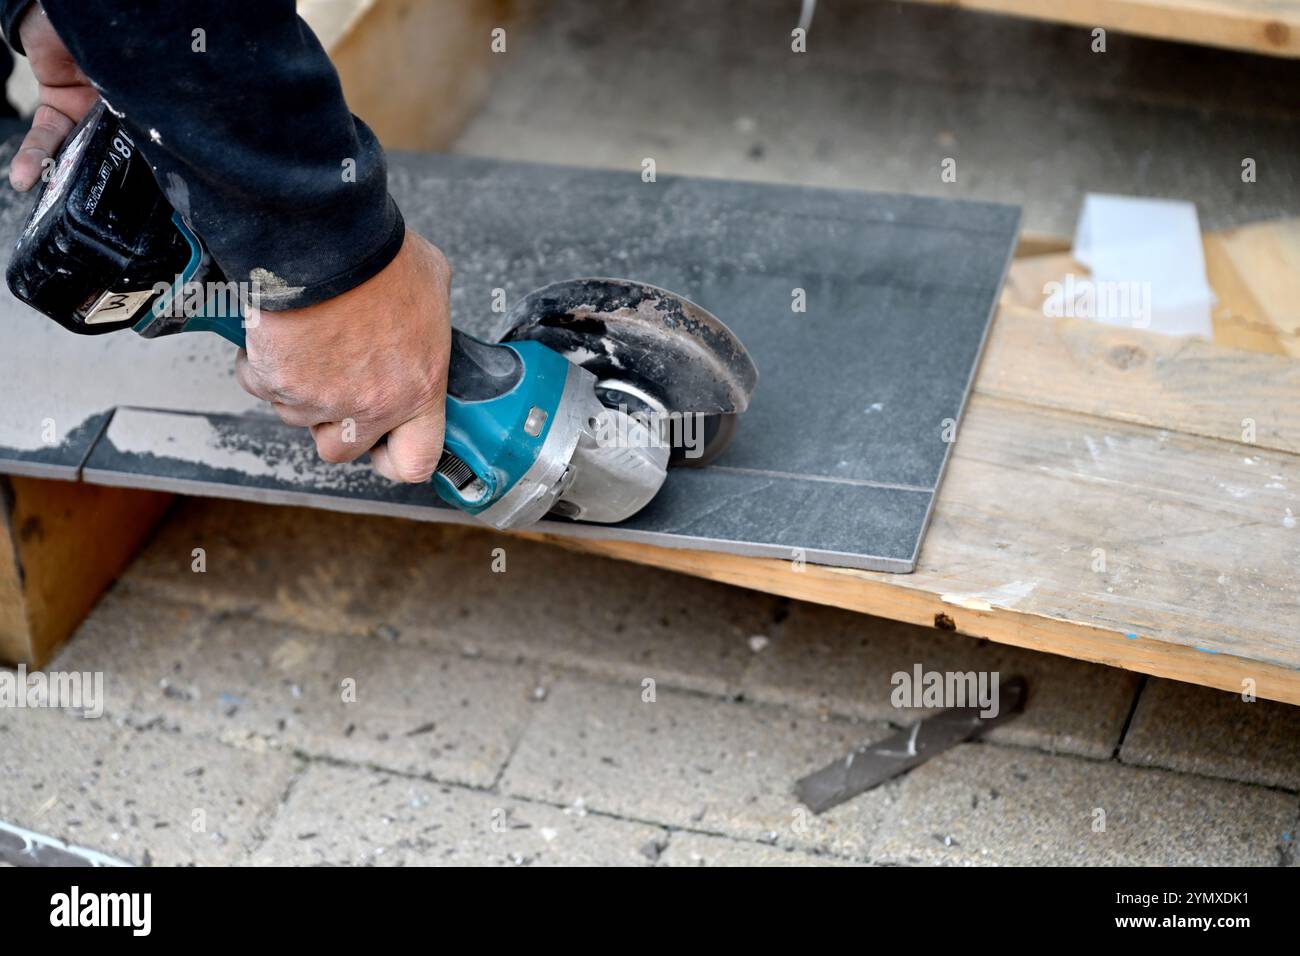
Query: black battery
x=100 y=242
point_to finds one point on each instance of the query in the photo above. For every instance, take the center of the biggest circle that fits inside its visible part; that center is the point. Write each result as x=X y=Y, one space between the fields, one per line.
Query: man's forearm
x=240 y=113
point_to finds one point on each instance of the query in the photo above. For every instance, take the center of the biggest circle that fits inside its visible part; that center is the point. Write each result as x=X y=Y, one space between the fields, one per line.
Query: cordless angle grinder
x=596 y=387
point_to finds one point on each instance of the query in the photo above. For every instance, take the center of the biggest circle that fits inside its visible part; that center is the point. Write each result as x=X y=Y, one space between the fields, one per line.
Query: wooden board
x=416 y=70
x=61 y=544
x=1197 y=531
x=1176 y=462
x=1255 y=272
x=1256 y=26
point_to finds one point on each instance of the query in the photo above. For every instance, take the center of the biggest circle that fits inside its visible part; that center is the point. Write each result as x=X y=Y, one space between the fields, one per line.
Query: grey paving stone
x=604 y=617
x=1201 y=730
x=47 y=759
x=884 y=94
x=984 y=804
x=150 y=797
x=698 y=849
x=137 y=642
x=691 y=761
x=178 y=800
x=434 y=585
x=313 y=569
x=349 y=816
x=822 y=658
x=352 y=698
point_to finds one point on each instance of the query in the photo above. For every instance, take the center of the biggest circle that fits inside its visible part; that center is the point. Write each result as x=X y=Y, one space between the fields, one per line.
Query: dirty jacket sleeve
x=241 y=115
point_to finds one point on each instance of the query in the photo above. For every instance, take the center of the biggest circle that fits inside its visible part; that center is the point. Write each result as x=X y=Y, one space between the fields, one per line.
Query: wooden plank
x=1082 y=436
x=61 y=544
x=1255 y=272
x=414 y=70
x=1130 y=375
x=1201 y=560
x=1271 y=27
x=1041 y=244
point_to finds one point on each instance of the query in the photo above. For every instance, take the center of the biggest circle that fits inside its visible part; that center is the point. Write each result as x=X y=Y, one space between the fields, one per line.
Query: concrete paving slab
x=235 y=677
x=328 y=572
x=1198 y=730
x=174 y=801
x=149 y=797
x=822 y=659
x=345 y=697
x=346 y=816
x=697 y=849
x=137 y=643
x=982 y=804
x=607 y=618
x=48 y=761
x=885 y=93
x=439 y=715
x=435 y=586
x=690 y=761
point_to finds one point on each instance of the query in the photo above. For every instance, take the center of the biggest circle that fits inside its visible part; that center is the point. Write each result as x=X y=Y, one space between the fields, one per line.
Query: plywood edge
x=1032 y=244
x=896 y=598
x=1255 y=273
x=61 y=544
x=1271 y=28
x=414 y=70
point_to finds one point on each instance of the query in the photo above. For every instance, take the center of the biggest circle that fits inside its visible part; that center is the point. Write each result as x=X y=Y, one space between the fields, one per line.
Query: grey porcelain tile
x=722 y=509
x=838 y=454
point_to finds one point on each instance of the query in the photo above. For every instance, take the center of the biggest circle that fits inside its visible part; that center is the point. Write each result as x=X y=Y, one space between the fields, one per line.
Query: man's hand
x=368 y=363
x=65 y=97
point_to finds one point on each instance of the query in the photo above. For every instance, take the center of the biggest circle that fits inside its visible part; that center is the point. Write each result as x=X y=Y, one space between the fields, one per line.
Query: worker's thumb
x=411 y=451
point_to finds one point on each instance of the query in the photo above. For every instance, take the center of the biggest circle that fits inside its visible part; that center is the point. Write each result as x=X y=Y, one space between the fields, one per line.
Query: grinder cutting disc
x=649 y=349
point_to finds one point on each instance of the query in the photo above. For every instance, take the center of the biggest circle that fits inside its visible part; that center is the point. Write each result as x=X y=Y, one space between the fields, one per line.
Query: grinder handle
x=480 y=378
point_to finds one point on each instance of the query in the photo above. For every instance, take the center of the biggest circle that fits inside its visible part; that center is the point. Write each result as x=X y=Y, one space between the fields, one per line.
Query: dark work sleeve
x=11 y=12
x=241 y=115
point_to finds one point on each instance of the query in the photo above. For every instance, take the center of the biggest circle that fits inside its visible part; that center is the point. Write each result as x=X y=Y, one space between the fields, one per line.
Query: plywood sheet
x=1258 y=26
